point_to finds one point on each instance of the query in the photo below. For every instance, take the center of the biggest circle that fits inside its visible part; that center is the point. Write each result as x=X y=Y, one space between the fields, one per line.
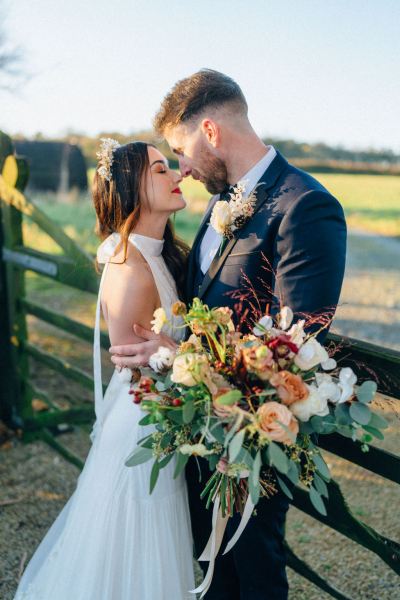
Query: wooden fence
x=76 y=268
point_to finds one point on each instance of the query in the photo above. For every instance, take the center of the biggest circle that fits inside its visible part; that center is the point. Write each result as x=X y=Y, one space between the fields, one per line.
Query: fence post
x=15 y=401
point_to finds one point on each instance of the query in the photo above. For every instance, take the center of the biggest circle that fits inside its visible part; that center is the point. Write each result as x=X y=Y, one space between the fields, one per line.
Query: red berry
x=176 y=402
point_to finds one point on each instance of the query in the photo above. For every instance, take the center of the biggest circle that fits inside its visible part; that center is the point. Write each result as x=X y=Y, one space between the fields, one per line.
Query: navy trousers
x=255 y=567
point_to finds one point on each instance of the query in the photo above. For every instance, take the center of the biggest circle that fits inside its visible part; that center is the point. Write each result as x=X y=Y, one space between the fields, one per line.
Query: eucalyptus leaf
x=164 y=461
x=306 y=427
x=188 y=411
x=360 y=413
x=317 y=501
x=284 y=488
x=317 y=423
x=148 y=443
x=236 y=445
x=342 y=414
x=217 y=431
x=160 y=386
x=378 y=422
x=293 y=472
x=375 y=432
x=146 y=420
x=213 y=460
x=166 y=440
x=325 y=425
x=230 y=397
x=255 y=471
x=366 y=392
x=155 y=471
x=246 y=458
x=278 y=458
x=254 y=491
x=345 y=431
x=322 y=467
x=181 y=460
x=139 y=456
x=231 y=433
x=320 y=485
x=175 y=416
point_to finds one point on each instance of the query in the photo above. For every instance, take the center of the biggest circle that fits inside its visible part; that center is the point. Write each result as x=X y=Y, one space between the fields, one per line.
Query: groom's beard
x=214 y=174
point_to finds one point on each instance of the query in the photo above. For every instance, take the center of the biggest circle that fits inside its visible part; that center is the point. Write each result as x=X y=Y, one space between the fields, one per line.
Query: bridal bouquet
x=249 y=404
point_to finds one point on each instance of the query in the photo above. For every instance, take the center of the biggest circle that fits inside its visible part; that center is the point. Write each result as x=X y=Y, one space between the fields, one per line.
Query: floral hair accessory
x=105 y=156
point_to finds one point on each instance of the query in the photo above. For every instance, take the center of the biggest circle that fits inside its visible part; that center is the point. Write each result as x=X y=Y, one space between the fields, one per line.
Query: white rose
x=297 y=333
x=347 y=380
x=263 y=324
x=162 y=359
x=190 y=369
x=221 y=216
x=329 y=364
x=327 y=387
x=310 y=355
x=315 y=404
x=160 y=319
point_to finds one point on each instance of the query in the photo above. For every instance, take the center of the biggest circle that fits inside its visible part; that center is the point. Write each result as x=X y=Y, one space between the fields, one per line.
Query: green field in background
x=371 y=202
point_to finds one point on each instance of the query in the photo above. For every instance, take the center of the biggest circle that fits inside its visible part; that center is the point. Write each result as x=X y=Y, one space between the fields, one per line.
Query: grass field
x=371 y=202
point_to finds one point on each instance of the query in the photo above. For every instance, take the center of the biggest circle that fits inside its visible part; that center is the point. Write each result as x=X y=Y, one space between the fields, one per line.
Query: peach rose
x=290 y=387
x=268 y=416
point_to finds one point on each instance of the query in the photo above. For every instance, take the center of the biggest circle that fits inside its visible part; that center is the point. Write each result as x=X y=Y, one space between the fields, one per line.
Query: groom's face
x=197 y=157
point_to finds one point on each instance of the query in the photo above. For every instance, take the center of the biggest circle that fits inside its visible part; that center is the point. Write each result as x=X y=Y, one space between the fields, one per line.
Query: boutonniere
x=229 y=216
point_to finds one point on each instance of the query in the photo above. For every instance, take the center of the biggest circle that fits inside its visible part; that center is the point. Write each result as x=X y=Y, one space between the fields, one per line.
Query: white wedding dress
x=113 y=540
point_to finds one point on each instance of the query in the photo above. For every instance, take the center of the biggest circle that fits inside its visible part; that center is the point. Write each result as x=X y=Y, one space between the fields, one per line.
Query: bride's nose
x=177 y=177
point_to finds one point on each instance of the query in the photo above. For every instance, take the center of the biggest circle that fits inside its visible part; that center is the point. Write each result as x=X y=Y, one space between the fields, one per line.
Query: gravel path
x=35 y=482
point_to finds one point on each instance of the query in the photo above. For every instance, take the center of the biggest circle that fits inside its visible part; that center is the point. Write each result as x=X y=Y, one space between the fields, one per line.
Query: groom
x=298 y=229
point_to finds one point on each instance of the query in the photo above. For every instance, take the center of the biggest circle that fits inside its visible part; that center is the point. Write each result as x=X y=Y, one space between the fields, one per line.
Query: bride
x=113 y=540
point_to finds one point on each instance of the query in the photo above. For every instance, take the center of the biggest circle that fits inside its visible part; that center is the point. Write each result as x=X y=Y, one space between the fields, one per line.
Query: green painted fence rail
x=74 y=267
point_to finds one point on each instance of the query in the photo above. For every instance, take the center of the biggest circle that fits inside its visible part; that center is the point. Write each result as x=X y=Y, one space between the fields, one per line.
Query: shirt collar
x=255 y=173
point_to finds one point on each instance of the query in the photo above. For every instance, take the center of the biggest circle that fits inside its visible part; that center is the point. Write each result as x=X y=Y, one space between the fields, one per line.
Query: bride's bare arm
x=129 y=296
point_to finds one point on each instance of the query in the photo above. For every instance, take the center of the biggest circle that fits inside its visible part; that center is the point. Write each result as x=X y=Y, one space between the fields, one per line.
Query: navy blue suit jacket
x=299 y=227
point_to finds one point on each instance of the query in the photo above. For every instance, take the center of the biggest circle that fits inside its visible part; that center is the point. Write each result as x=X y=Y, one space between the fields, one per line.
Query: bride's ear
x=212 y=132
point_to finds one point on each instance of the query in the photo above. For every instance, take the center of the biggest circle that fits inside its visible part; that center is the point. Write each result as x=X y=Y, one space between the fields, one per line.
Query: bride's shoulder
x=131 y=273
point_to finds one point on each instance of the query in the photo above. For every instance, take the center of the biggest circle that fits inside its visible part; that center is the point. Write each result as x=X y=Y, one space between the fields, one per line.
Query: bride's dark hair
x=117 y=204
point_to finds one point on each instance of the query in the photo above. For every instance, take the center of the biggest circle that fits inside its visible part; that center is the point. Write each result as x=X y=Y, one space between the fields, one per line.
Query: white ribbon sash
x=213 y=545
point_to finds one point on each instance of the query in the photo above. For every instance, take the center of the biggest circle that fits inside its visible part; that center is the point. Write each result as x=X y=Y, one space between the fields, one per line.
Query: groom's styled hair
x=191 y=96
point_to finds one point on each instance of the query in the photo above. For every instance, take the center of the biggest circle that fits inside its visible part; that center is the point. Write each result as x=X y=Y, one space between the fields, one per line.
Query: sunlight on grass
x=370 y=202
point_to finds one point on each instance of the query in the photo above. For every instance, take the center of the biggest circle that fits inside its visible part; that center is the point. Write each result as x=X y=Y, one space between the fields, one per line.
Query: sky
x=311 y=70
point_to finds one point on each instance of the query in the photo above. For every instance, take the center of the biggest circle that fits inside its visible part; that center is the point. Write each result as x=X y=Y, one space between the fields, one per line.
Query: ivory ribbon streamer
x=98 y=382
x=248 y=509
x=213 y=545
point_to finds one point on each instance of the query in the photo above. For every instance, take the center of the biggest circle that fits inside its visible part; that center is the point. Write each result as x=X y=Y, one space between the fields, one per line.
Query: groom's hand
x=138 y=355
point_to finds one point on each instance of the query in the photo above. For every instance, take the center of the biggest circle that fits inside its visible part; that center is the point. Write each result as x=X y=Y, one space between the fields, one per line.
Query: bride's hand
x=138 y=355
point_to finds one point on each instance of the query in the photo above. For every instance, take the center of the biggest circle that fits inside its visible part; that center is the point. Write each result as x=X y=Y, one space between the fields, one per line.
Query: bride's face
x=161 y=186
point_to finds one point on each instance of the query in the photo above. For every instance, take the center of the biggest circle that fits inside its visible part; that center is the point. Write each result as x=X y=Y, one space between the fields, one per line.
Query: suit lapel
x=266 y=182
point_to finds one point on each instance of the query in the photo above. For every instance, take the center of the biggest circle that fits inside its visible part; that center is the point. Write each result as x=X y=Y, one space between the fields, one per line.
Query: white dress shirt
x=212 y=240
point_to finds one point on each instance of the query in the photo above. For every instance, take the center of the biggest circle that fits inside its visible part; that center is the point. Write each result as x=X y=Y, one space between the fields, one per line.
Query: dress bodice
x=151 y=250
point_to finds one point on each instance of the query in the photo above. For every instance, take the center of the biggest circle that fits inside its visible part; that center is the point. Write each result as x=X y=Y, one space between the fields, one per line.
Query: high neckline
x=151 y=246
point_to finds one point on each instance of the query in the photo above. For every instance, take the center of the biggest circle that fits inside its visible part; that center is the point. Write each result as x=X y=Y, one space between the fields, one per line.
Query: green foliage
x=139 y=455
